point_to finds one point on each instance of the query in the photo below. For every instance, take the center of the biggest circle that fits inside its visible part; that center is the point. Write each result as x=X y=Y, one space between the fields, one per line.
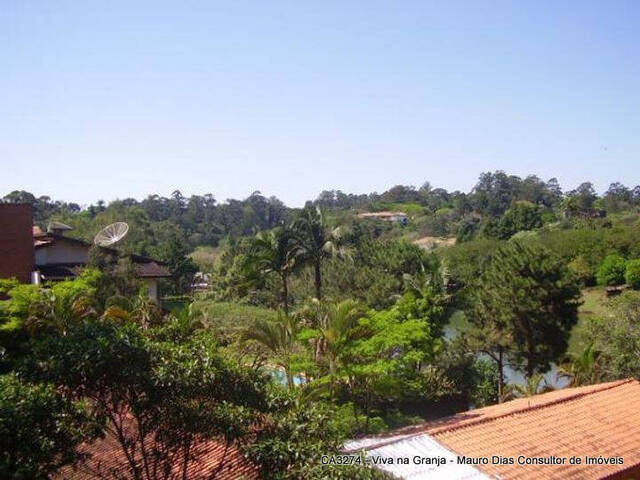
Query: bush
x=582 y=270
x=632 y=275
x=612 y=271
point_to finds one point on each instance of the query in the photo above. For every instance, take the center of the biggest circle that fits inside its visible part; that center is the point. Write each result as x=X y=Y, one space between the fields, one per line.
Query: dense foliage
x=318 y=325
x=39 y=429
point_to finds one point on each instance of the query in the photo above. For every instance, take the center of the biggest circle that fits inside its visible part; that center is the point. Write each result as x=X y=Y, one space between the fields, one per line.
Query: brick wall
x=16 y=241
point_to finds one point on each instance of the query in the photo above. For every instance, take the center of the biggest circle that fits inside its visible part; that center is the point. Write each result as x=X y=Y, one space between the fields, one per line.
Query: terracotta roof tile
x=597 y=420
x=210 y=460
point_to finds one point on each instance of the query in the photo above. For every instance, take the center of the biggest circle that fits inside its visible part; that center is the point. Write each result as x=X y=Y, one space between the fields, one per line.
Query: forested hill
x=498 y=206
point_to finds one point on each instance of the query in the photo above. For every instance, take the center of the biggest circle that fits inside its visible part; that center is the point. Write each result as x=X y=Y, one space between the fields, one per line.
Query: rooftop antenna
x=111 y=234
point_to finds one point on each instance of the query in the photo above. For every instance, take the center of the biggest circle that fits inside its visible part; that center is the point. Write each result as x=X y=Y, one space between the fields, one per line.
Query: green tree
x=533 y=385
x=279 y=338
x=582 y=270
x=520 y=216
x=175 y=253
x=612 y=270
x=158 y=398
x=583 y=369
x=632 y=274
x=333 y=326
x=315 y=241
x=273 y=252
x=529 y=299
x=292 y=444
x=389 y=359
x=617 y=338
x=31 y=311
x=39 y=429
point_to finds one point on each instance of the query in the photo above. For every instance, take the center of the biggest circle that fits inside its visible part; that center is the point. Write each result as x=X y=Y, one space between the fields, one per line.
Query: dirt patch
x=429 y=243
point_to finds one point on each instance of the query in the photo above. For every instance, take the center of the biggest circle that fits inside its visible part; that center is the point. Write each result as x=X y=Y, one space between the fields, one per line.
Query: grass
x=231 y=316
x=595 y=304
x=206 y=257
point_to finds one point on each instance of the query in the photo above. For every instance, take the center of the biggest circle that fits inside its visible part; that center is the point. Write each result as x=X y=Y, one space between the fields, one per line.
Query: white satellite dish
x=111 y=234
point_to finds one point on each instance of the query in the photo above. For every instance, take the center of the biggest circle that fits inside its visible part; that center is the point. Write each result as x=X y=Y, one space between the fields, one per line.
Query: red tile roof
x=596 y=420
x=211 y=460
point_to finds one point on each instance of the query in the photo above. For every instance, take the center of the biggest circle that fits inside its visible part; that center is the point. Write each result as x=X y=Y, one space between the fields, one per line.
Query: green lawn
x=595 y=304
x=205 y=257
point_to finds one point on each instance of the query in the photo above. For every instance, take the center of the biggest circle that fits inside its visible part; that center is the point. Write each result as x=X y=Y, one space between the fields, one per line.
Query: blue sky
x=100 y=100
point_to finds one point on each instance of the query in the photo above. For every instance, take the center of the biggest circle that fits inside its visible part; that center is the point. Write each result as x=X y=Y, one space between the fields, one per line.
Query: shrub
x=612 y=270
x=632 y=275
x=582 y=270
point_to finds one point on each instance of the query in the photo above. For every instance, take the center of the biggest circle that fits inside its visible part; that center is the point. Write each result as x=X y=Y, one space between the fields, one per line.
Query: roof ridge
x=529 y=408
x=592 y=389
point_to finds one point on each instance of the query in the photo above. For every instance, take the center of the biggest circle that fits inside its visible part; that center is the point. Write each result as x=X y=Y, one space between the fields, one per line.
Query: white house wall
x=62 y=252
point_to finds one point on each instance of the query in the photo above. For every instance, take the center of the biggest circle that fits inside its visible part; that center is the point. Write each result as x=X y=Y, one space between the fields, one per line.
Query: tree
x=583 y=369
x=315 y=241
x=632 y=274
x=295 y=438
x=533 y=385
x=612 y=270
x=581 y=200
x=617 y=197
x=39 y=429
x=582 y=270
x=159 y=398
x=182 y=267
x=528 y=298
x=273 y=252
x=31 y=311
x=387 y=359
x=617 y=338
x=279 y=338
x=520 y=216
x=333 y=326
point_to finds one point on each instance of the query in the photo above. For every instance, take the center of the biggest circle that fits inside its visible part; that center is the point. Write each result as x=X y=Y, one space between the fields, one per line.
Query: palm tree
x=315 y=241
x=279 y=338
x=335 y=325
x=534 y=385
x=58 y=313
x=583 y=369
x=273 y=252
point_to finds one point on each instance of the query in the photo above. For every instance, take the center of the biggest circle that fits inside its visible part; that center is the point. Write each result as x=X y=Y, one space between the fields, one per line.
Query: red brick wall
x=16 y=241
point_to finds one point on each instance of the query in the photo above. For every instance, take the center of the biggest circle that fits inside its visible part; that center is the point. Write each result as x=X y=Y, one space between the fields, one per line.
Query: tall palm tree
x=274 y=252
x=279 y=338
x=315 y=241
x=583 y=369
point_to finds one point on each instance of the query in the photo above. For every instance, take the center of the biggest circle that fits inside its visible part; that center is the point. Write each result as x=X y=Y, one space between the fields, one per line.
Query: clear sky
x=108 y=99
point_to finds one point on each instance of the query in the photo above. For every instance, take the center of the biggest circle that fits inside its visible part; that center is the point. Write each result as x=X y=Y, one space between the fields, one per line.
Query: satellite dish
x=111 y=234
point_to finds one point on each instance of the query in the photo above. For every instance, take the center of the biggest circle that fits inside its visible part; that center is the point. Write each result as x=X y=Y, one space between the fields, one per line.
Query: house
x=393 y=217
x=30 y=254
x=58 y=257
x=590 y=432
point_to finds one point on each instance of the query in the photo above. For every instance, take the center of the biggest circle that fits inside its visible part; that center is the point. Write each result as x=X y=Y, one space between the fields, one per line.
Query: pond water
x=280 y=377
x=456 y=327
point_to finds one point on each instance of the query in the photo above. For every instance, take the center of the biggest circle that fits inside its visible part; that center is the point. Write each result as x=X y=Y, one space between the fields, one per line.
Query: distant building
x=51 y=255
x=394 y=217
x=531 y=438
